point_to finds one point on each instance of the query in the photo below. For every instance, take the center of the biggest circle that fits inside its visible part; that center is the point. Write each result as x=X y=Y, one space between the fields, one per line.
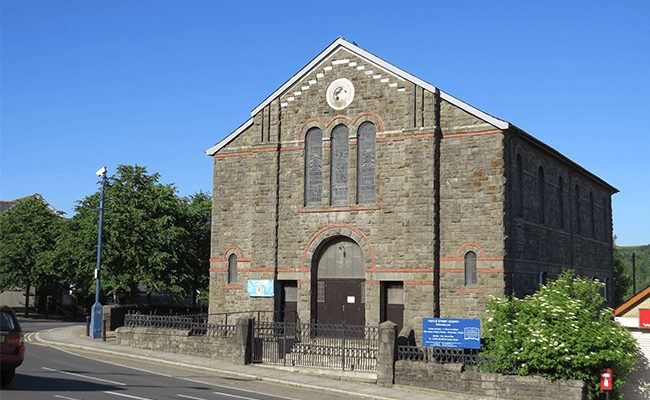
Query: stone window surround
x=326 y=129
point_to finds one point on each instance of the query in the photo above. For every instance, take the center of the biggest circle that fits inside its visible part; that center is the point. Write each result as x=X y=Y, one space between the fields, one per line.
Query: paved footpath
x=340 y=382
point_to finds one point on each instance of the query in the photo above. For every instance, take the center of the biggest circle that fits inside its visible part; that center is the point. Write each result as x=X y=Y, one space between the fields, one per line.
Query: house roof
x=6 y=205
x=632 y=302
x=354 y=49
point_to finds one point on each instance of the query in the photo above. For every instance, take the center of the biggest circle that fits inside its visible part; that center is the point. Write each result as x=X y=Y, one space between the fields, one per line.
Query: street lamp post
x=97 y=314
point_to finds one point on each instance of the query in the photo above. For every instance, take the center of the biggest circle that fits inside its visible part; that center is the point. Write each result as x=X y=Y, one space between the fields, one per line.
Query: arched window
x=366 y=148
x=576 y=208
x=519 y=186
x=560 y=203
x=470 y=268
x=542 y=278
x=340 y=165
x=540 y=193
x=605 y=230
x=591 y=215
x=232 y=268
x=313 y=167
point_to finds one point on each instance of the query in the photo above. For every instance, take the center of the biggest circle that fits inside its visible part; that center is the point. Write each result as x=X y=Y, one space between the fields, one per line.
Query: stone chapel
x=358 y=192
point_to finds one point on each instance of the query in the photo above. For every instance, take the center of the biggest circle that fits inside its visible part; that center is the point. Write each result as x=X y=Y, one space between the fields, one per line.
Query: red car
x=12 y=345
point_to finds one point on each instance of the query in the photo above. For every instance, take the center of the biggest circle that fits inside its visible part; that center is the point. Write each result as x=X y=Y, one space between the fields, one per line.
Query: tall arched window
x=366 y=147
x=340 y=165
x=576 y=208
x=540 y=193
x=560 y=203
x=470 y=268
x=232 y=268
x=313 y=167
x=605 y=230
x=591 y=215
x=519 y=186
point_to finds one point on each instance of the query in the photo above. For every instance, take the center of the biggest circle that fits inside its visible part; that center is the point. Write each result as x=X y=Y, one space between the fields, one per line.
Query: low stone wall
x=231 y=348
x=452 y=378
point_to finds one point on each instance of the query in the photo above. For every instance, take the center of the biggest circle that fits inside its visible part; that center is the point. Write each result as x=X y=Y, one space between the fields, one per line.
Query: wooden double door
x=339 y=283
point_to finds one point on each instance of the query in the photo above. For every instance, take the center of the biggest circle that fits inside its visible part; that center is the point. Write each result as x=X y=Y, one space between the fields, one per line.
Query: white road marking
x=127 y=395
x=235 y=396
x=84 y=376
x=116 y=364
x=66 y=398
x=190 y=397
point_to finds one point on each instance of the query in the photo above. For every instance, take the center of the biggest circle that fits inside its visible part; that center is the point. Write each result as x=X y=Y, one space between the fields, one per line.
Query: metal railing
x=197 y=324
x=335 y=346
x=471 y=360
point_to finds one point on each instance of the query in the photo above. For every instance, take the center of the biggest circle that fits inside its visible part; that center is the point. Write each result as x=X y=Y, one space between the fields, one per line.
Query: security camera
x=102 y=172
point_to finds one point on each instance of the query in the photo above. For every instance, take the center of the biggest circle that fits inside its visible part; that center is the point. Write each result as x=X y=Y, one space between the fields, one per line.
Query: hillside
x=642 y=261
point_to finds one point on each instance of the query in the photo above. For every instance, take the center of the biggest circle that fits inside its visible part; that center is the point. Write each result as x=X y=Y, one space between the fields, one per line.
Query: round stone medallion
x=340 y=93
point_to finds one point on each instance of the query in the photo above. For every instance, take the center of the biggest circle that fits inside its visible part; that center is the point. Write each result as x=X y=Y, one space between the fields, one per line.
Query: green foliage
x=560 y=332
x=28 y=232
x=150 y=236
x=622 y=281
x=642 y=262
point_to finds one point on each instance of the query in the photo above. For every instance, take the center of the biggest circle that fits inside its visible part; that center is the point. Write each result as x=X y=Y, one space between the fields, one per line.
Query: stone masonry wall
x=560 y=239
x=471 y=213
x=395 y=232
x=451 y=378
x=231 y=348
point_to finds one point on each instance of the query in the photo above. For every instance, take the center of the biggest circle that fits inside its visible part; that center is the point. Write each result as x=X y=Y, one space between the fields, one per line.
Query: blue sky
x=86 y=84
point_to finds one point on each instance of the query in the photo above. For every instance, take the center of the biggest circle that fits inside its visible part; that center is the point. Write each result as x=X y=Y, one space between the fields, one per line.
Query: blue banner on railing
x=260 y=288
x=451 y=332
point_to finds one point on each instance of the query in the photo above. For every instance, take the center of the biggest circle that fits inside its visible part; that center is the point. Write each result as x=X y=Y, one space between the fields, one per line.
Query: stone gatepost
x=241 y=343
x=386 y=355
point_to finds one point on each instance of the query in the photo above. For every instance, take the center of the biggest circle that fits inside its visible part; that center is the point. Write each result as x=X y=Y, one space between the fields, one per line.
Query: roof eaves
x=559 y=156
x=632 y=302
x=214 y=149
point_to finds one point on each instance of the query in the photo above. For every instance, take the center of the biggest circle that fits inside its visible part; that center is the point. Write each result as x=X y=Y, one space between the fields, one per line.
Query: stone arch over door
x=338 y=282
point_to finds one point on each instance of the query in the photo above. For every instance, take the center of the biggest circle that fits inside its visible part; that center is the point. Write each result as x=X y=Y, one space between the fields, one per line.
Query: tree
x=622 y=281
x=560 y=332
x=195 y=260
x=28 y=231
x=150 y=236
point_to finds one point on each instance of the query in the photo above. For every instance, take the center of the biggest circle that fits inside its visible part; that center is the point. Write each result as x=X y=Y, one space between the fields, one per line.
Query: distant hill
x=642 y=261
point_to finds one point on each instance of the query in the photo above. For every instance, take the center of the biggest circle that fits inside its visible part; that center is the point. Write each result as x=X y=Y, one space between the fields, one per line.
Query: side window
x=519 y=186
x=340 y=165
x=591 y=215
x=560 y=203
x=605 y=230
x=232 y=268
x=540 y=193
x=313 y=167
x=470 y=268
x=366 y=160
x=576 y=208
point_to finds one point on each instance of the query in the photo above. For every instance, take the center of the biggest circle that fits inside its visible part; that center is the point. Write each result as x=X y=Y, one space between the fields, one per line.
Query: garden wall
x=452 y=378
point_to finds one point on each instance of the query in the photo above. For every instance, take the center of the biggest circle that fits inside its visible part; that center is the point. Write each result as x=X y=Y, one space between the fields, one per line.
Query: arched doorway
x=338 y=278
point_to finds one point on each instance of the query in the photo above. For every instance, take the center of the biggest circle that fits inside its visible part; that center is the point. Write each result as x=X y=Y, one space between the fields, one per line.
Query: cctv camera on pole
x=97 y=315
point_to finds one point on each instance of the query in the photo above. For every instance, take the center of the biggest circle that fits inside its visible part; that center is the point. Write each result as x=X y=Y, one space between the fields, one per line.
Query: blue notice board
x=451 y=332
x=260 y=288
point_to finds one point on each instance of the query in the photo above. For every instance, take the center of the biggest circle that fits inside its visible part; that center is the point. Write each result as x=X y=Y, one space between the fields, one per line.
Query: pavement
x=339 y=382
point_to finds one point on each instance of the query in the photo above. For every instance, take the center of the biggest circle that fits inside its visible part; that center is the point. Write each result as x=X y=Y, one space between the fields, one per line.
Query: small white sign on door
x=352 y=299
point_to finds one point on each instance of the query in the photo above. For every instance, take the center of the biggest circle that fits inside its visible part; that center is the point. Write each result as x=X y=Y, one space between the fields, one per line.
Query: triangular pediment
x=342 y=53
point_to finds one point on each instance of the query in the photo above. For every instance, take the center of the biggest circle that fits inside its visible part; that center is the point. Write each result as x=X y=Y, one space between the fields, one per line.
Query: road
x=52 y=373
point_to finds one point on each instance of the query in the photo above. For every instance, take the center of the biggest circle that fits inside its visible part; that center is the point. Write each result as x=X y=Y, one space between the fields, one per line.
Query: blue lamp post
x=97 y=314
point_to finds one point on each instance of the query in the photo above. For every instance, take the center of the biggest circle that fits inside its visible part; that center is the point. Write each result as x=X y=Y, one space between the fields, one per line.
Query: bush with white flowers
x=560 y=332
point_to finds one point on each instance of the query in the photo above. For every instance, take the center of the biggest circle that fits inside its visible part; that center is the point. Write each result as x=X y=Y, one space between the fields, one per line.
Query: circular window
x=340 y=93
